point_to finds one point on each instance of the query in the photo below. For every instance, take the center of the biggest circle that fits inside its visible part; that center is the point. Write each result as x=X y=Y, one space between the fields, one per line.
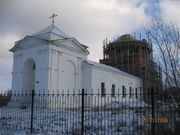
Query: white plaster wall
x=40 y=55
x=65 y=73
x=87 y=77
x=93 y=76
x=110 y=77
x=57 y=68
x=65 y=69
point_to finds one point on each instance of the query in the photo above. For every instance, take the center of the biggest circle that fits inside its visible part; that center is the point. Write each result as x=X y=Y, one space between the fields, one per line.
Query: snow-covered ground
x=117 y=118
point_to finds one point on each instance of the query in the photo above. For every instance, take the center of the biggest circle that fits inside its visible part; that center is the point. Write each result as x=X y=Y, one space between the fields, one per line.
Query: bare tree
x=166 y=36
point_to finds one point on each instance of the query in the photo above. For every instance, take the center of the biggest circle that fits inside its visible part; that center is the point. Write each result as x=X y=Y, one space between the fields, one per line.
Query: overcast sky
x=89 y=21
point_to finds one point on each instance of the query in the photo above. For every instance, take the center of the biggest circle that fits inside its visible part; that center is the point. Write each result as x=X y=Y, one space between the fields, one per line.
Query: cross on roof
x=53 y=16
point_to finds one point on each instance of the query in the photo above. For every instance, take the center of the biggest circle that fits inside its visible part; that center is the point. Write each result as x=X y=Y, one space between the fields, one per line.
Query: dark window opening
x=103 y=93
x=136 y=92
x=123 y=91
x=130 y=91
x=113 y=90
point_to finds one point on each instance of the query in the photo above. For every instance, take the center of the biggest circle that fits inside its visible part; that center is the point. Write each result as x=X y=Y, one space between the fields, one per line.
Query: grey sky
x=89 y=21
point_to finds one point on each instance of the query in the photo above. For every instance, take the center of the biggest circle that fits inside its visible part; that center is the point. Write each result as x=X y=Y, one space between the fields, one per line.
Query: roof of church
x=51 y=32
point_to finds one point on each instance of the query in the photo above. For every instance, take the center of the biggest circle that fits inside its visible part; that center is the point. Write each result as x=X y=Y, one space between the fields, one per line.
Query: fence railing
x=81 y=112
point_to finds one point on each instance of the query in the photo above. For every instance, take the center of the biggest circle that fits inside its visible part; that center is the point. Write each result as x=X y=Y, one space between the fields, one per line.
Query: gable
x=71 y=44
x=27 y=42
x=54 y=36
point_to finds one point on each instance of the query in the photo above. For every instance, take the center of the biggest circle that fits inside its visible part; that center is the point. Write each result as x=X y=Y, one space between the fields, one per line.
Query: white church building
x=50 y=60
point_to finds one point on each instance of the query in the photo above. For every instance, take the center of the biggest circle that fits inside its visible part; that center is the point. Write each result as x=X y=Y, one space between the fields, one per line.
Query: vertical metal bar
x=32 y=107
x=82 y=113
x=153 y=112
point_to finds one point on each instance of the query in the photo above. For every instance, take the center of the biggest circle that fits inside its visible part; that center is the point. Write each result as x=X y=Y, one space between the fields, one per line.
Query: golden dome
x=126 y=37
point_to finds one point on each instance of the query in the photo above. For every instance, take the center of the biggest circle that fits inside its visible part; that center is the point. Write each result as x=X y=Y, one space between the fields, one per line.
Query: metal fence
x=83 y=113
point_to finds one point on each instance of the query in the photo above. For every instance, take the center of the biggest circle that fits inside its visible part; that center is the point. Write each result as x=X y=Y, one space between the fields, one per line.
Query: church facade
x=52 y=61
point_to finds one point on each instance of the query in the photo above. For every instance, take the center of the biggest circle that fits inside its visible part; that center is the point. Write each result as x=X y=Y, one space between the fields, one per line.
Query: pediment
x=54 y=35
x=72 y=44
x=27 y=42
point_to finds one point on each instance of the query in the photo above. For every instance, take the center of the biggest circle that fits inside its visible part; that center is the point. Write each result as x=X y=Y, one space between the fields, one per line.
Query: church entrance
x=29 y=71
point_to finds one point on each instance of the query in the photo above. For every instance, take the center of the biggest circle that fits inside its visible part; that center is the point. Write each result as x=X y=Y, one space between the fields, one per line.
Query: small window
x=130 y=91
x=103 y=93
x=136 y=92
x=113 y=90
x=123 y=91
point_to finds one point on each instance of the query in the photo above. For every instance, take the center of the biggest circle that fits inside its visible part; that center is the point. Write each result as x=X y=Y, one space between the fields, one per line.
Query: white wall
x=94 y=76
x=40 y=55
x=87 y=77
x=65 y=69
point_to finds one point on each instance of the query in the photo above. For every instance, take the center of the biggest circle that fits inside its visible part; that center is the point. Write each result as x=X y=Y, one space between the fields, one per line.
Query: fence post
x=32 y=110
x=82 y=112
x=153 y=112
